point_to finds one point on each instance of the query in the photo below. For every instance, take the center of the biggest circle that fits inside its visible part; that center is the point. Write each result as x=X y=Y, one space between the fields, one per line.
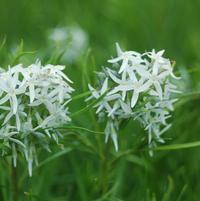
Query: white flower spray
x=74 y=37
x=138 y=86
x=33 y=102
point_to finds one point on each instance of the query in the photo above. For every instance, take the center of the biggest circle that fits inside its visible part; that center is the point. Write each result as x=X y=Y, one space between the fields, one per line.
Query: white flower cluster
x=33 y=101
x=74 y=37
x=137 y=86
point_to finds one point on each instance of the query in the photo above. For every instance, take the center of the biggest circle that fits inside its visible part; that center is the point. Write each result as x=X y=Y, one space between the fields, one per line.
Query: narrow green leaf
x=3 y=43
x=182 y=192
x=54 y=156
x=177 y=146
x=88 y=107
x=167 y=194
x=81 y=95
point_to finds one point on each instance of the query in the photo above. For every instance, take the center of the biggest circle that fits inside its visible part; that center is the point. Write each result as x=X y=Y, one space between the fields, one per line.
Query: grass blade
x=54 y=156
x=177 y=146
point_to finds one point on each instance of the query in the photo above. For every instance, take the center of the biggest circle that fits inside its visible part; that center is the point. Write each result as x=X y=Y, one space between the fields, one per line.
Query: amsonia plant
x=137 y=86
x=33 y=102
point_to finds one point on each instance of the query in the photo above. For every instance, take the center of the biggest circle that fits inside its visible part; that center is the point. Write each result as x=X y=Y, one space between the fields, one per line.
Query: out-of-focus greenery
x=87 y=169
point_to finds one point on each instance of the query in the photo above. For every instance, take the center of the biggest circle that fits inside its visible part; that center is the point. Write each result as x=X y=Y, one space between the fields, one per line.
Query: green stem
x=104 y=170
x=14 y=183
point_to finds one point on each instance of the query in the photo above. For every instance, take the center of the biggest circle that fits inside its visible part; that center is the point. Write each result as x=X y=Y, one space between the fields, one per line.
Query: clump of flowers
x=33 y=102
x=74 y=37
x=138 y=86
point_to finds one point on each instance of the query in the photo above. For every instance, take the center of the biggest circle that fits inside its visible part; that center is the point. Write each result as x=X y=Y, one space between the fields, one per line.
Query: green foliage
x=85 y=168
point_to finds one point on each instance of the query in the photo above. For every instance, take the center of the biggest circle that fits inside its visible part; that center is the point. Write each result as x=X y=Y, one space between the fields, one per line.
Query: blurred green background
x=81 y=174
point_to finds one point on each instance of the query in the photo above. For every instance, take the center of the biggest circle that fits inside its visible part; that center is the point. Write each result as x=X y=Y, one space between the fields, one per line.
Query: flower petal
x=134 y=99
